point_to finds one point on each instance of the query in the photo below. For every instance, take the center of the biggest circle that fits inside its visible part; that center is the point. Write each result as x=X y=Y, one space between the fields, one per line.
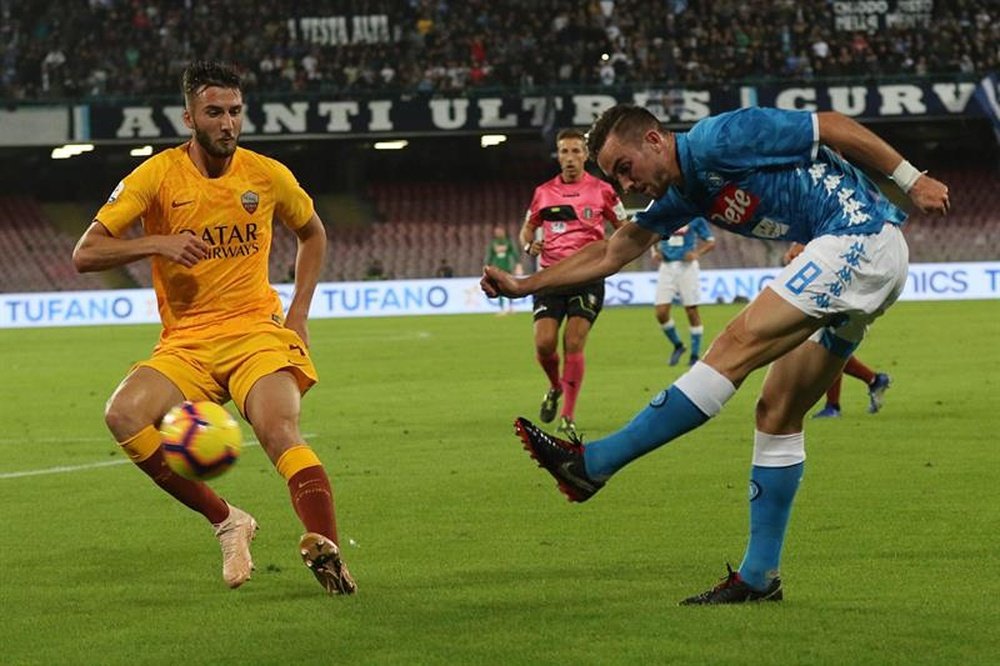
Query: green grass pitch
x=465 y=552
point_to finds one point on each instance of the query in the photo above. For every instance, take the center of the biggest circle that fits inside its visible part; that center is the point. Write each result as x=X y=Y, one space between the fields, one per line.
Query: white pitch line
x=52 y=440
x=64 y=469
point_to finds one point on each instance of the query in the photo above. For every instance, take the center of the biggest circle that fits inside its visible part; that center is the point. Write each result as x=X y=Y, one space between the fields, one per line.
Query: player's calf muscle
x=737 y=351
x=733 y=353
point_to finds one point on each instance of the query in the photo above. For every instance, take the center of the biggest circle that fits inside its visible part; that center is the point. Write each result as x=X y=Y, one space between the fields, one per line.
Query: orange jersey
x=232 y=213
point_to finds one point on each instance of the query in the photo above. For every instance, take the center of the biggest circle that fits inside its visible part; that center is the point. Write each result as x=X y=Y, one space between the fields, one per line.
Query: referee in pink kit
x=567 y=213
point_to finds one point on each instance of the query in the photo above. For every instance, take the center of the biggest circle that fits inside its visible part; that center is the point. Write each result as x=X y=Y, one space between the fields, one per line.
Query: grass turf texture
x=466 y=553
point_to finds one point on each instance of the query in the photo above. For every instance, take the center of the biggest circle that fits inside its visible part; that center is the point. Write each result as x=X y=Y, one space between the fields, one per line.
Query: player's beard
x=214 y=148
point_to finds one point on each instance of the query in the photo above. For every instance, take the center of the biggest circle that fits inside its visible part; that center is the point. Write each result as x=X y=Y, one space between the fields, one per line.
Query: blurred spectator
x=444 y=270
x=69 y=48
x=375 y=269
x=502 y=252
x=52 y=71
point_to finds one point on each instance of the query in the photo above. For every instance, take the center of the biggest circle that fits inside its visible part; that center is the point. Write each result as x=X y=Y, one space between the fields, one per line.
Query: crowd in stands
x=91 y=48
x=70 y=49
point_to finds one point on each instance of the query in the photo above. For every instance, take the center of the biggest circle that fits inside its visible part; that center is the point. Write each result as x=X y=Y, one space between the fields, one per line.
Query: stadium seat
x=34 y=255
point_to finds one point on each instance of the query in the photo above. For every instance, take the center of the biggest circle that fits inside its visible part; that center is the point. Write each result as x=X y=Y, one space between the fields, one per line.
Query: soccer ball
x=201 y=440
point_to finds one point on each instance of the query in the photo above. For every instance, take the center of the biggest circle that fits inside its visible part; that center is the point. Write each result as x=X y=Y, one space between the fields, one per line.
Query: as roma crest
x=250 y=201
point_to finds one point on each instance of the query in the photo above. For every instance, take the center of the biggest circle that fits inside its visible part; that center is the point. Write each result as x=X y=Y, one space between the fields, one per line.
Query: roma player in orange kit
x=206 y=209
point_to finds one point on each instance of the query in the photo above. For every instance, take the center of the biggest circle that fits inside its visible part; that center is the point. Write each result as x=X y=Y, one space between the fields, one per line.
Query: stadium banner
x=878 y=15
x=34 y=126
x=988 y=96
x=340 y=30
x=402 y=115
x=926 y=282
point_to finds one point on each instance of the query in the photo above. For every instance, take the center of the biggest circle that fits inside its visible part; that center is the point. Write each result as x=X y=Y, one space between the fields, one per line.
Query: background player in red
x=567 y=213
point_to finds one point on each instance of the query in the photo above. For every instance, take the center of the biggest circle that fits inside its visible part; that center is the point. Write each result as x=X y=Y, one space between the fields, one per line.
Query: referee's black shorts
x=583 y=301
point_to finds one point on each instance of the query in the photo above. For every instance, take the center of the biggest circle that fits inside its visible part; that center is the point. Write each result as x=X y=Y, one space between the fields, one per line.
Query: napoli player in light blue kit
x=762 y=173
x=678 y=278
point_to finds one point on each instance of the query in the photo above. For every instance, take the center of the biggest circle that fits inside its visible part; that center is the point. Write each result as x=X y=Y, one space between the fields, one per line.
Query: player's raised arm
x=98 y=250
x=596 y=260
x=864 y=147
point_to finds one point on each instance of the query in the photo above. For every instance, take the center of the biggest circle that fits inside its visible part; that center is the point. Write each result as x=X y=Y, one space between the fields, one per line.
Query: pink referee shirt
x=593 y=201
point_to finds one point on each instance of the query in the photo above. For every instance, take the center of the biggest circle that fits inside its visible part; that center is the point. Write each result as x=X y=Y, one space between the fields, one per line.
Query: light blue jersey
x=682 y=241
x=762 y=173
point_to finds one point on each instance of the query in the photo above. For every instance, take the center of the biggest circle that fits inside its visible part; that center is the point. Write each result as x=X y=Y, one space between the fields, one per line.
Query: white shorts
x=847 y=280
x=678 y=277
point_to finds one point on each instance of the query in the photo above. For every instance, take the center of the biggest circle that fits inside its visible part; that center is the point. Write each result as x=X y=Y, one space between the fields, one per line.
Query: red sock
x=312 y=498
x=856 y=368
x=571 y=381
x=833 y=393
x=193 y=494
x=550 y=364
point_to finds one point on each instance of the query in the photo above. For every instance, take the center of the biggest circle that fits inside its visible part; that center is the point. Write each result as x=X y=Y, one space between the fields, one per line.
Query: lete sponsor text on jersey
x=733 y=205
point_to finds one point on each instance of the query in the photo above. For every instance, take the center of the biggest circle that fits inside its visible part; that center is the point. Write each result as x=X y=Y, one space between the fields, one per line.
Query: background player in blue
x=763 y=173
x=678 y=279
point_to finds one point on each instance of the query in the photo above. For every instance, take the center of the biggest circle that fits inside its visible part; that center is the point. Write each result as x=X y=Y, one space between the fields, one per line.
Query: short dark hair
x=571 y=133
x=201 y=73
x=622 y=120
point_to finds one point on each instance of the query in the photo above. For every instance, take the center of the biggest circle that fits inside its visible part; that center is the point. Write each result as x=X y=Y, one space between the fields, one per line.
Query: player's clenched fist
x=930 y=195
x=497 y=282
x=185 y=249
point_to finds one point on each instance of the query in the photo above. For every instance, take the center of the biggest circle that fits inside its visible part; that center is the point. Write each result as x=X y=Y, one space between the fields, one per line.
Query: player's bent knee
x=278 y=436
x=763 y=410
x=122 y=419
x=545 y=349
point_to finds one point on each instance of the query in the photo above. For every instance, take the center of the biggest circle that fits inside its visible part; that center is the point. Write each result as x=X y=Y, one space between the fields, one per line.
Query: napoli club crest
x=250 y=201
